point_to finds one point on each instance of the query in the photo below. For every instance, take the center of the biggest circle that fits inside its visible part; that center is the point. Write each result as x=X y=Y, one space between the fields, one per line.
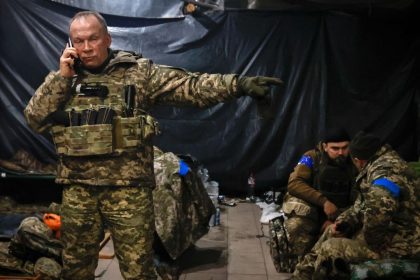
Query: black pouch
x=105 y=116
x=74 y=118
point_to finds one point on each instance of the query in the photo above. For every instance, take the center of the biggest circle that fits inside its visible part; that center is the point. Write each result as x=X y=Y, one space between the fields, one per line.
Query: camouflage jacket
x=182 y=205
x=387 y=221
x=302 y=181
x=154 y=84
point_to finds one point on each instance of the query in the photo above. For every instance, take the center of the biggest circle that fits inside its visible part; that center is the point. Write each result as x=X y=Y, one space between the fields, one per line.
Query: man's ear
x=109 y=38
x=324 y=146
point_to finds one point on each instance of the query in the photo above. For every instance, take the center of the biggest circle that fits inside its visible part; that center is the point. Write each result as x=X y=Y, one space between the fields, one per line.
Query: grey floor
x=235 y=250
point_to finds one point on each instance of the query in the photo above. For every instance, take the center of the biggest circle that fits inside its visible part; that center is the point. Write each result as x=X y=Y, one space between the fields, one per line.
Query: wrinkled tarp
x=130 y=8
x=358 y=71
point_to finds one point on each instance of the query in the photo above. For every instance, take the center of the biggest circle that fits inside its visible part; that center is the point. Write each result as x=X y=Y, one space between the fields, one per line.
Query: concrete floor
x=235 y=250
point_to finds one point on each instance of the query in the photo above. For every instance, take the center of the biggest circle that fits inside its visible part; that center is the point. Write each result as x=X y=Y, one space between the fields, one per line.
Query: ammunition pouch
x=85 y=140
x=105 y=139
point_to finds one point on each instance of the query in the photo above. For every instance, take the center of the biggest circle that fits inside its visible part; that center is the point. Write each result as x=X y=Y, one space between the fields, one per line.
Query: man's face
x=337 y=151
x=358 y=163
x=90 y=40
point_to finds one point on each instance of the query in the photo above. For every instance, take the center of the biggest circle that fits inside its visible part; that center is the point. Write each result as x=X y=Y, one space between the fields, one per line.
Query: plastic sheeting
x=339 y=70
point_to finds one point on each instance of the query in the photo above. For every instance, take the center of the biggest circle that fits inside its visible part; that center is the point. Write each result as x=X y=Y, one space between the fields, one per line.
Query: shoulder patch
x=183 y=168
x=393 y=188
x=307 y=161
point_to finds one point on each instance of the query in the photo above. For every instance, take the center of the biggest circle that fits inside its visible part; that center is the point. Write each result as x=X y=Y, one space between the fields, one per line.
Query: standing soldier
x=96 y=108
x=383 y=223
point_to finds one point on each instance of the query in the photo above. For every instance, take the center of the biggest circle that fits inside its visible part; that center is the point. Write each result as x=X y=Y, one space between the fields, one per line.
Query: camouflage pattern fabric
x=24 y=162
x=10 y=263
x=154 y=84
x=386 y=226
x=319 y=262
x=387 y=268
x=47 y=269
x=304 y=180
x=390 y=225
x=302 y=223
x=303 y=204
x=182 y=205
x=126 y=211
x=281 y=251
x=33 y=240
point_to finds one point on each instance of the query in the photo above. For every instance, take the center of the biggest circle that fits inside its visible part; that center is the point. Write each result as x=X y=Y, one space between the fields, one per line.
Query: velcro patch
x=307 y=161
x=393 y=188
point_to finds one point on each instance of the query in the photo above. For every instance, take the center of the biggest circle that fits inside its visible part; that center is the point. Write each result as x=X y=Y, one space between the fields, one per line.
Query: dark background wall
x=357 y=68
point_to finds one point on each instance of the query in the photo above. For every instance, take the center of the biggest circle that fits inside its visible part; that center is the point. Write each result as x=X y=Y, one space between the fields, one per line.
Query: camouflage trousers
x=303 y=224
x=331 y=256
x=126 y=211
x=302 y=234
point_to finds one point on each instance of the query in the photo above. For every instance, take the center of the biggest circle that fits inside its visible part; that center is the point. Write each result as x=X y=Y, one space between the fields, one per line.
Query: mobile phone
x=77 y=61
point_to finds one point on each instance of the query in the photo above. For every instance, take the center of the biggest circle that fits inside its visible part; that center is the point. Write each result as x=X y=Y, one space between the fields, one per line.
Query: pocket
x=126 y=132
x=85 y=140
x=299 y=207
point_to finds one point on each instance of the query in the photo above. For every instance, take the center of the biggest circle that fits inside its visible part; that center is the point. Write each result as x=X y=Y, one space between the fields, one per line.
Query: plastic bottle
x=251 y=187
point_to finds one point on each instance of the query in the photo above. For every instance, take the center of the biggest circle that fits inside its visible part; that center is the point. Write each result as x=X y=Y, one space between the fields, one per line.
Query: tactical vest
x=334 y=182
x=101 y=118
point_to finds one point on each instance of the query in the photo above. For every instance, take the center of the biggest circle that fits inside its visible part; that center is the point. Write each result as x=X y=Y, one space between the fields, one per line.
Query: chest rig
x=102 y=118
x=333 y=181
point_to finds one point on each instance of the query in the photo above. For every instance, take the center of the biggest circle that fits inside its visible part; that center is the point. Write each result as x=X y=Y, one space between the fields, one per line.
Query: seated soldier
x=383 y=223
x=319 y=188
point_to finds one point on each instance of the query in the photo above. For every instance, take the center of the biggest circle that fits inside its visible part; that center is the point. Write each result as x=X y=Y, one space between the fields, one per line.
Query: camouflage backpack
x=32 y=251
x=34 y=240
x=280 y=250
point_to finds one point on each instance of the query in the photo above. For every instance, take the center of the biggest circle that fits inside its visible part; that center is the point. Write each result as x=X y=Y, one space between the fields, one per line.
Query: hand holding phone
x=69 y=62
x=77 y=61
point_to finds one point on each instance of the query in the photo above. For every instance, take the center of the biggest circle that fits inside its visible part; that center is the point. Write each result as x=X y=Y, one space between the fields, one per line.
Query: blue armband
x=393 y=188
x=307 y=161
x=183 y=168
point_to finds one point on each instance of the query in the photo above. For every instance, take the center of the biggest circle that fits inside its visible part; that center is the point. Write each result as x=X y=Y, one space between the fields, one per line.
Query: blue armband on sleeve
x=307 y=161
x=390 y=186
x=183 y=168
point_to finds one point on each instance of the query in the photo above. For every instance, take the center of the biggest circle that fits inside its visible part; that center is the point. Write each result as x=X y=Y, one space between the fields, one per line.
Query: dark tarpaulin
x=130 y=8
x=357 y=71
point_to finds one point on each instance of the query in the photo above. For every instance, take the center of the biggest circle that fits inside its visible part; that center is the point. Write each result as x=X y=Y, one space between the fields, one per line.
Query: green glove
x=257 y=87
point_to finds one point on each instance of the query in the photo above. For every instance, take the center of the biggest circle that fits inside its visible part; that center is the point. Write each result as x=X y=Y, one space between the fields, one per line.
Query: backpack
x=280 y=250
x=34 y=239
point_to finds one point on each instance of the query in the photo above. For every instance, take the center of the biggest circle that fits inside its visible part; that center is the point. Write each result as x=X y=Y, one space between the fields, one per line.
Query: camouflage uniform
x=182 y=205
x=314 y=180
x=385 y=219
x=116 y=187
